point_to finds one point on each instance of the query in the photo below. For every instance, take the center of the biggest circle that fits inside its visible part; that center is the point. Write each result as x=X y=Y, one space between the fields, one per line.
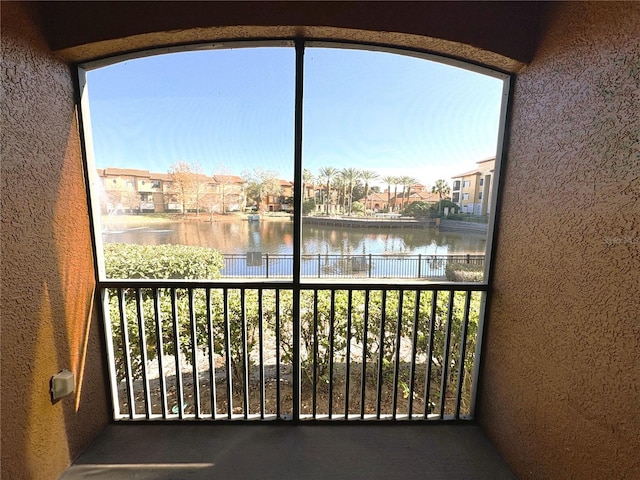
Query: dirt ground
x=269 y=394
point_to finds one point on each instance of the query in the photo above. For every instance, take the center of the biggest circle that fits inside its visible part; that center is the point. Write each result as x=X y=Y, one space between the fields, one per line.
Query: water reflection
x=239 y=237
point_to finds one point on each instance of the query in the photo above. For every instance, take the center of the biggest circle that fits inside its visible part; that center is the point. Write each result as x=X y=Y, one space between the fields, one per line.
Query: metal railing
x=219 y=351
x=266 y=265
x=468 y=217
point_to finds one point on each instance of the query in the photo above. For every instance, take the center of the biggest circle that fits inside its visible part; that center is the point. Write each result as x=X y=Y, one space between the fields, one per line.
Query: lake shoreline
x=137 y=219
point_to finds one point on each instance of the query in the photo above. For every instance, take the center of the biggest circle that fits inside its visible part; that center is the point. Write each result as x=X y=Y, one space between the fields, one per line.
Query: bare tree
x=261 y=184
x=188 y=184
x=307 y=179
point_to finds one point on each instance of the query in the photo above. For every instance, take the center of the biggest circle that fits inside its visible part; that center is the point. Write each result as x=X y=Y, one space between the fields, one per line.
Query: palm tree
x=367 y=176
x=341 y=186
x=396 y=181
x=406 y=183
x=328 y=173
x=389 y=180
x=350 y=176
x=442 y=188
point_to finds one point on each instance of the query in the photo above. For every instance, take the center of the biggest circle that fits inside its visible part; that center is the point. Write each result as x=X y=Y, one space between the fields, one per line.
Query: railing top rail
x=373 y=284
x=376 y=255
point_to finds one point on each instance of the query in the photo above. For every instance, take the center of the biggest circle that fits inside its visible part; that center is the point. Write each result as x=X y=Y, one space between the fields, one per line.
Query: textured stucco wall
x=47 y=270
x=500 y=34
x=561 y=380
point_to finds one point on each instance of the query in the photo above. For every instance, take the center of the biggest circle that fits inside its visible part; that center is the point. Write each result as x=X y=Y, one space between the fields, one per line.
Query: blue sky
x=233 y=110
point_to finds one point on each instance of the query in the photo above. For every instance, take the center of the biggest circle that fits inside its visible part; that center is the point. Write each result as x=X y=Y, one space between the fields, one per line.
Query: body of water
x=276 y=237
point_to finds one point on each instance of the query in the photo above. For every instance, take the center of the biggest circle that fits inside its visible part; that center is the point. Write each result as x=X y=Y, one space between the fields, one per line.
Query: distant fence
x=468 y=217
x=267 y=265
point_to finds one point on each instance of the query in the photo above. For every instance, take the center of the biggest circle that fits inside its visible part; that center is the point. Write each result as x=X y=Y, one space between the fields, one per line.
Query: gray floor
x=240 y=451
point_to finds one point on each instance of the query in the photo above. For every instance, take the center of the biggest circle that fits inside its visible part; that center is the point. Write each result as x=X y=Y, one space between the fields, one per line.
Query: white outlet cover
x=62 y=384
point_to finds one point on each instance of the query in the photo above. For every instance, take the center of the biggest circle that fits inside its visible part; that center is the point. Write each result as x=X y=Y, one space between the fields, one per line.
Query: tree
x=341 y=187
x=389 y=180
x=395 y=193
x=260 y=184
x=224 y=182
x=308 y=206
x=406 y=183
x=442 y=188
x=188 y=184
x=350 y=176
x=367 y=176
x=307 y=179
x=329 y=174
x=418 y=210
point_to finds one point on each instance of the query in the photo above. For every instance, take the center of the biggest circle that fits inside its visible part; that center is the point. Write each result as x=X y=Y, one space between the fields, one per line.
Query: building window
x=481 y=181
x=465 y=196
x=456 y=197
x=456 y=185
x=467 y=183
x=479 y=195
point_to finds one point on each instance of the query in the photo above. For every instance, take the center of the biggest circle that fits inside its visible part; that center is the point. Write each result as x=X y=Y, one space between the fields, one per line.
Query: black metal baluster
x=261 y=351
x=212 y=363
x=365 y=333
x=331 y=346
x=277 y=353
x=227 y=351
x=463 y=351
x=427 y=381
x=445 y=366
x=383 y=315
x=245 y=356
x=160 y=347
x=176 y=343
x=396 y=368
x=194 y=354
x=314 y=387
x=348 y=360
x=414 y=351
x=124 y=328
x=142 y=336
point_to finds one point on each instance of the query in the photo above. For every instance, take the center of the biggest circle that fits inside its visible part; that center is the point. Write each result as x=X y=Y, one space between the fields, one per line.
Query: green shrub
x=357 y=208
x=464 y=272
x=418 y=210
x=308 y=206
x=128 y=261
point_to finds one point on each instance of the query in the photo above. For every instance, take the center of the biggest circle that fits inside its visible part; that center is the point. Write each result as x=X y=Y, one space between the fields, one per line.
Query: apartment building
x=126 y=190
x=282 y=201
x=472 y=190
x=132 y=190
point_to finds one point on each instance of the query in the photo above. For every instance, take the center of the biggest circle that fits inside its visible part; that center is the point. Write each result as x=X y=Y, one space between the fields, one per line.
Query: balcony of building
x=557 y=389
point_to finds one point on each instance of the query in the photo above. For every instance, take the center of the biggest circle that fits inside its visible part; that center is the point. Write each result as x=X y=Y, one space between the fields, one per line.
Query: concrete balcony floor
x=285 y=451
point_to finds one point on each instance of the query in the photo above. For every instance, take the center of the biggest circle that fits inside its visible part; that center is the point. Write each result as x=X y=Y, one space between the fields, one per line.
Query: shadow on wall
x=47 y=270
